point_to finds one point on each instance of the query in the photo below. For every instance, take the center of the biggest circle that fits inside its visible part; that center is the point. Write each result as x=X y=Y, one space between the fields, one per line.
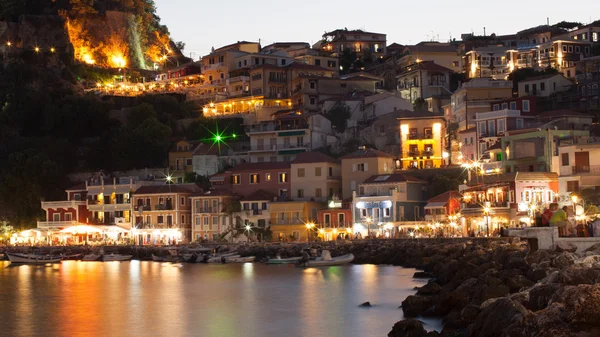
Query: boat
x=289 y=260
x=33 y=258
x=72 y=257
x=166 y=258
x=92 y=257
x=222 y=258
x=116 y=257
x=326 y=260
x=214 y=258
x=240 y=259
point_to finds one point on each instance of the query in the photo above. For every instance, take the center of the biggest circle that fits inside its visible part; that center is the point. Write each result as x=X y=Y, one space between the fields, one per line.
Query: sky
x=203 y=24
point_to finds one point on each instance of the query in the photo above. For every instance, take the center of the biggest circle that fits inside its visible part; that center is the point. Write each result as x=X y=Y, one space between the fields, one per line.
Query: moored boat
x=222 y=258
x=240 y=259
x=92 y=257
x=289 y=260
x=32 y=258
x=214 y=258
x=116 y=257
x=166 y=258
x=325 y=260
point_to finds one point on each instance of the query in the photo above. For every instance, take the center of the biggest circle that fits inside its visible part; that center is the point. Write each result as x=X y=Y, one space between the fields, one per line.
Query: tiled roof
x=168 y=189
x=299 y=65
x=426 y=65
x=446 y=196
x=550 y=176
x=541 y=77
x=391 y=178
x=313 y=157
x=367 y=153
x=214 y=193
x=431 y=47
x=260 y=166
x=260 y=195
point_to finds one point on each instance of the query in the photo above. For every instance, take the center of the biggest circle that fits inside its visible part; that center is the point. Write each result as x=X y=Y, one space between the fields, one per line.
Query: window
x=526 y=87
x=254 y=178
x=496 y=107
x=466 y=140
x=471 y=142
x=565 y=159
x=313 y=101
x=564 y=48
x=205 y=222
x=268 y=176
x=68 y=217
x=570 y=49
x=525 y=105
x=215 y=221
x=182 y=201
x=317 y=171
x=363 y=212
x=236 y=179
x=577 y=50
x=183 y=219
x=160 y=219
x=492 y=128
x=55 y=217
x=482 y=128
x=542 y=86
x=513 y=105
x=504 y=106
x=318 y=193
x=572 y=186
x=313 y=85
x=362 y=167
x=215 y=205
x=197 y=221
x=282 y=177
x=188 y=162
x=386 y=212
x=594 y=36
x=455 y=63
x=519 y=123
x=300 y=193
x=301 y=172
x=587 y=50
x=501 y=126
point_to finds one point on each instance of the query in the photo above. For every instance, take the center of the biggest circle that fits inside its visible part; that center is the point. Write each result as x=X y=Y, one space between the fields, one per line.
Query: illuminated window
x=236 y=179
x=268 y=176
x=282 y=177
x=254 y=178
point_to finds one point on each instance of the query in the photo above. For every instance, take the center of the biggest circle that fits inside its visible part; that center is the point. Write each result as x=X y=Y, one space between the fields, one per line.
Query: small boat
x=116 y=257
x=222 y=258
x=289 y=260
x=240 y=259
x=32 y=258
x=326 y=260
x=72 y=257
x=214 y=258
x=166 y=258
x=92 y=257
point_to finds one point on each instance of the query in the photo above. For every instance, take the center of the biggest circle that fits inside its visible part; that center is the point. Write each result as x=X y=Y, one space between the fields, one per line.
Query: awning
x=436 y=205
x=84 y=229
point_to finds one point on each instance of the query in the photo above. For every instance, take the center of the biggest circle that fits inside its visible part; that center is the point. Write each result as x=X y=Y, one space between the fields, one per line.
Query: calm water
x=160 y=299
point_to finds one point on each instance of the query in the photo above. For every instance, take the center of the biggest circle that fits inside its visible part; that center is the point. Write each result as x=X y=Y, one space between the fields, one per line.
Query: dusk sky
x=205 y=24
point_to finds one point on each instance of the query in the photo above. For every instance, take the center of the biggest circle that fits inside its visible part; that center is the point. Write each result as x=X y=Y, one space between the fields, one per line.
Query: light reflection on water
x=161 y=299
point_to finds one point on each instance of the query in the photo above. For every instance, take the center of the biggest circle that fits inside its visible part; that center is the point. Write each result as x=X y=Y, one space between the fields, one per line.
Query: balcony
x=163 y=207
x=496 y=204
x=213 y=66
x=55 y=224
x=297 y=221
x=334 y=224
x=141 y=208
x=581 y=169
x=63 y=204
x=263 y=148
x=239 y=79
x=418 y=136
x=205 y=210
x=277 y=79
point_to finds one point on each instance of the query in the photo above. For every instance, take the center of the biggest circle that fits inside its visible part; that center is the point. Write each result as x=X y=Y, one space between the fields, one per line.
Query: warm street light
x=169 y=178
x=308 y=227
x=248 y=227
x=52 y=50
x=8 y=43
x=37 y=49
x=574 y=198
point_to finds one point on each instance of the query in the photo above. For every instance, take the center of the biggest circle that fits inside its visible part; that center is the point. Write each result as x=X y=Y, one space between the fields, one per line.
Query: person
x=547 y=215
x=559 y=219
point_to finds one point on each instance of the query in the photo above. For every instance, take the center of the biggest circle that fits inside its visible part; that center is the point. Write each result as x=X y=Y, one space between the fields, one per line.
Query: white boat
x=92 y=257
x=116 y=257
x=32 y=258
x=220 y=259
x=289 y=260
x=326 y=260
x=214 y=258
x=240 y=259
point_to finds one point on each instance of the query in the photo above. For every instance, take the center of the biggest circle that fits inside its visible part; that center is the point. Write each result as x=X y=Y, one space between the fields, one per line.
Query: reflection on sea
x=161 y=299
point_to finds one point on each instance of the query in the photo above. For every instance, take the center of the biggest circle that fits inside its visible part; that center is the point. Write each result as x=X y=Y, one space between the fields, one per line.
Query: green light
x=218 y=138
x=234 y=135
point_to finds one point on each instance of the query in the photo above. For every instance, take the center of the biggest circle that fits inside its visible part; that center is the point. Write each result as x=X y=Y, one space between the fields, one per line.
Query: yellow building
x=422 y=141
x=294 y=220
x=212 y=215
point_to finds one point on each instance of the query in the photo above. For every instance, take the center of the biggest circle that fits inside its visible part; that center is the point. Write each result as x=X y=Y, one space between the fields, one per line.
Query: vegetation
x=338 y=115
x=420 y=105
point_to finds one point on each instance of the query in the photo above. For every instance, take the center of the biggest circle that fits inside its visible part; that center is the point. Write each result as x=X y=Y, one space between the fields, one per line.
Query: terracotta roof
x=431 y=47
x=299 y=65
x=469 y=130
x=425 y=65
x=78 y=187
x=214 y=193
x=446 y=196
x=260 y=166
x=367 y=153
x=234 y=44
x=313 y=157
x=496 y=146
x=168 y=189
x=392 y=178
x=513 y=176
x=260 y=195
x=550 y=176
x=541 y=77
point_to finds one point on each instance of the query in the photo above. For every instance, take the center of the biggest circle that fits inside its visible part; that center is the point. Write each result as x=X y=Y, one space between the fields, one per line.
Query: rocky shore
x=478 y=287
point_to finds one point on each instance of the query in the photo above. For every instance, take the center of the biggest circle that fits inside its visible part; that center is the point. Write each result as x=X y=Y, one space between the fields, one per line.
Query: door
x=327 y=220
x=582 y=162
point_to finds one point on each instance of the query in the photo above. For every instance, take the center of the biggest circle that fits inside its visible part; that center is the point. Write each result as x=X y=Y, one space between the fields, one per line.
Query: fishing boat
x=116 y=257
x=240 y=259
x=289 y=260
x=222 y=258
x=326 y=260
x=32 y=258
x=215 y=258
x=92 y=257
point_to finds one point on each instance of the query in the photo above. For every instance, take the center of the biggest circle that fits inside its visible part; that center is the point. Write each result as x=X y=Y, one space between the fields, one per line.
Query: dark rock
x=576 y=276
x=431 y=288
x=422 y=274
x=492 y=320
x=470 y=312
x=562 y=246
x=564 y=260
x=539 y=296
x=365 y=305
x=415 y=305
x=537 y=273
x=517 y=283
x=539 y=256
x=489 y=292
x=594 y=249
x=408 y=328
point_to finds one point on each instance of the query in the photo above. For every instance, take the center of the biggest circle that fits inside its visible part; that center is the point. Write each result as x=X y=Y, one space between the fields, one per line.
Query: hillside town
x=356 y=137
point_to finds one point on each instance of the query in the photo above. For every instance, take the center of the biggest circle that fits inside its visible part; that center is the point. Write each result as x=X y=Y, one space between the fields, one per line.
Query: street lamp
x=574 y=199
x=486 y=212
x=308 y=228
x=368 y=221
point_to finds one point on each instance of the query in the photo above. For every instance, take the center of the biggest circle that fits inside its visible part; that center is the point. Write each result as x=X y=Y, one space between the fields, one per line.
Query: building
x=383 y=201
x=545 y=85
x=316 y=177
x=422 y=140
x=287 y=134
x=442 y=207
x=468 y=146
x=442 y=54
x=335 y=221
x=492 y=125
x=365 y=44
x=205 y=159
x=489 y=61
x=213 y=214
x=109 y=200
x=424 y=79
x=506 y=200
x=246 y=179
x=562 y=55
x=64 y=214
x=577 y=168
x=163 y=213
x=294 y=220
x=255 y=214
x=181 y=159
x=362 y=164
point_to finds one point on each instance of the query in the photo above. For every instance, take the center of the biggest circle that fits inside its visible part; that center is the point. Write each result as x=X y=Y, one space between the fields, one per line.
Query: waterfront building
x=294 y=220
x=383 y=201
x=64 y=214
x=246 y=179
x=442 y=207
x=359 y=165
x=255 y=214
x=335 y=221
x=315 y=176
x=578 y=166
x=422 y=140
x=545 y=85
x=213 y=215
x=163 y=213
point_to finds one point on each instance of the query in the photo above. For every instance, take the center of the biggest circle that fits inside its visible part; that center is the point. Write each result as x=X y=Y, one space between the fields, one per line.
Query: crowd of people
x=554 y=216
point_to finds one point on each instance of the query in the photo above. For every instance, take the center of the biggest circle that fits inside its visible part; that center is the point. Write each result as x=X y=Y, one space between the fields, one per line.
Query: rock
x=576 y=276
x=581 y=304
x=539 y=296
x=431 y=288
x=517 y=283
x=408 y=328
x=470 y=312
x=538 y=273
x=562 y=246
x=594 y=249
x=551 y=278
x=485 y=292
x=522 y=297
x=564 y=260
x=539 y=256
x=589 y=261
x=365 y=305
x=422 y=274
x=488 y=302
x=415 y=305
x=492 y=320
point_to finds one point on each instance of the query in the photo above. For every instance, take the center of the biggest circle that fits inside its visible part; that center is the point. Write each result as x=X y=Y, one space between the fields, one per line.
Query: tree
x=82 y=8
x=180 y=45
x=420 y=105
x=442 y=183
x=139 y=114
x=338 y=115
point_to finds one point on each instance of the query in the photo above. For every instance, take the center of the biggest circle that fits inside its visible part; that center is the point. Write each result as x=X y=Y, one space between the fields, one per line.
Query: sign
x=374 y=204
x=335 y=204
